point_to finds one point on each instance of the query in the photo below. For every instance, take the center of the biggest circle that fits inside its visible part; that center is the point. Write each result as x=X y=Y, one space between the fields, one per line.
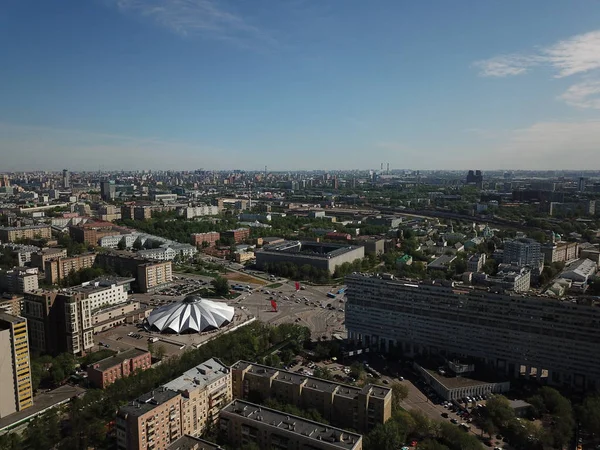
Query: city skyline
x=107 y=85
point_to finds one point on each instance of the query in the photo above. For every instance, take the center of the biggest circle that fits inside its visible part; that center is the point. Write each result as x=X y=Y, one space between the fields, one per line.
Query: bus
x=330 y=295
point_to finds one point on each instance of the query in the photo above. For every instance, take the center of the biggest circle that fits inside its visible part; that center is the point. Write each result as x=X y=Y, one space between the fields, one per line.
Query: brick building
x=121 y=365
x=238 y=235
x=39 y=259
x=60 y=268
x=91 y=232
x=210 y=237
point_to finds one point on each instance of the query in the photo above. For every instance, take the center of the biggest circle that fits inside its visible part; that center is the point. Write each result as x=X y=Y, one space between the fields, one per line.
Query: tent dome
x=192 y=314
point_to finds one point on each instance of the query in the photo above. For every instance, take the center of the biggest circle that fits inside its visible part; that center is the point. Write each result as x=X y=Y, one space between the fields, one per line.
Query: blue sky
x=299 y=84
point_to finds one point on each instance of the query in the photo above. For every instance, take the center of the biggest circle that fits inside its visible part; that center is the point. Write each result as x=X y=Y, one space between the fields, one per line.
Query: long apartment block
x=244 y=423
x=344 y=406
x=560 y=337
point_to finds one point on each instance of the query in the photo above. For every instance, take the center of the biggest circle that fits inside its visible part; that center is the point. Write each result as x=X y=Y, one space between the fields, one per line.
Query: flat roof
x=199 y=377
x=118 y=358
x=188 y=442
x=334 y=437
x=326 y=249
x=311 y=382
x=4 y=317
x=148 y=401
x=455 y=382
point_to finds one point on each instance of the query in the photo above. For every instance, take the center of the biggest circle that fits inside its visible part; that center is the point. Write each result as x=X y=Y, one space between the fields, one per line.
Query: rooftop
x=310 y=382
x=336 y=437
x=4 y=317
x=315 y=249
x=454 y=382
x=148 y=401
x=118 y=358
x=199 y=377
x=26 y=227
x=192 y=443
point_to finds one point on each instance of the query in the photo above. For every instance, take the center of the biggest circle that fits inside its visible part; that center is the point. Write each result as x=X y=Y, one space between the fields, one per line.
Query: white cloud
x=208 y=18
x=583 y=95
x=505 y=65
x=576 y=55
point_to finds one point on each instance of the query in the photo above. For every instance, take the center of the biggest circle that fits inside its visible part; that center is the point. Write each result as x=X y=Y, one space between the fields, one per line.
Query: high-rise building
x=66 y=182
x=581 y=184
x=185 y=405
x=15 y=369
x=524 y=252
x=107 y=190
x=513 y=333
x=63 y=321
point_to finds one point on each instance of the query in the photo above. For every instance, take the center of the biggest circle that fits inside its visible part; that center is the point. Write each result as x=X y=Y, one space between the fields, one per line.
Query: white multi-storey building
x=189 y=212
x=514 y=333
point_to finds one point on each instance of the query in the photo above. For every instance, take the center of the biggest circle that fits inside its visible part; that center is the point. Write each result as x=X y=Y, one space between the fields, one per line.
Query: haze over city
x=158 y=84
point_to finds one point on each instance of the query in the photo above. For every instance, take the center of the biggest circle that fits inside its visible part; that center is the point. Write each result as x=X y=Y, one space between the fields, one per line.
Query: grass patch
x=275 y=285
x=243 y=278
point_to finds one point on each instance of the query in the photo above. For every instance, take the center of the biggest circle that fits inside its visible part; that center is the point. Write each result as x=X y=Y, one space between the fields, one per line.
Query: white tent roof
x=192 y=314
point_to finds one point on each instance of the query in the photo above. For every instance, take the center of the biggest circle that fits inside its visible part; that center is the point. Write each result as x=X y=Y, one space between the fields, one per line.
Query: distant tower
x=382 y=167
x=66 y=183
x=388 y=168
x=581 y=185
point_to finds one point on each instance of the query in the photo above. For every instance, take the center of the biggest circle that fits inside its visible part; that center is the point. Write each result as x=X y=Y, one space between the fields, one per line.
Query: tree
x=220 y=286
x=399 y=394
x=121 y=245
x=357 y=370
x=323 y=372
x=499 y=411
x=589 y=413
x=385 y=436
x=160 y=351
x=137 y=245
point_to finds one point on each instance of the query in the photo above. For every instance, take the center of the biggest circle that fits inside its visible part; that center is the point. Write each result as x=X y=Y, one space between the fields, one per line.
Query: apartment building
x=476 y=262
x=150 y=275
x=15 y=368
x=154 y=275
x=344 y=406
x=11 y=304
x=12 y=234
x=91 y=232
x=524 y=252
x=40 y=258
x=19 y=280
x=58 y=269
x=505 y=331
x=133 y=212
x=560 y=252
x=211 y=238
x=63 y=321
x=104 y=292
x=185 y=405
x=22 y=252
x=152 y=421
x=204 y=390
x=243 y=423
x=106 y=371
x=189 y=212
x=238 y=235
